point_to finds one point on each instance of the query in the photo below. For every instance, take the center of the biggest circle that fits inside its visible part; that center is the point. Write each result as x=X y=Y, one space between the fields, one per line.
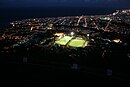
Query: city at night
x=65 y=42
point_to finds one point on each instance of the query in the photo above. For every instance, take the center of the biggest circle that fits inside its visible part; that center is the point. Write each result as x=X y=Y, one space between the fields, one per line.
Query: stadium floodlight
x=72 y=33
x=88 y=35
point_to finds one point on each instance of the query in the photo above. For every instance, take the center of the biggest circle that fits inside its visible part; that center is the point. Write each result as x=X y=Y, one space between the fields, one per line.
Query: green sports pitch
x=64 y=40
x=67 y=40
x=77 y=43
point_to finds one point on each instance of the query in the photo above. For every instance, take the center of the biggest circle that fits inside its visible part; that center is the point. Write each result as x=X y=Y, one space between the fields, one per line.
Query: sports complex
x=72 y=40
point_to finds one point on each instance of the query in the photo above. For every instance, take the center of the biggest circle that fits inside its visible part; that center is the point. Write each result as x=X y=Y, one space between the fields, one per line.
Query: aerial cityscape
x=100 y=42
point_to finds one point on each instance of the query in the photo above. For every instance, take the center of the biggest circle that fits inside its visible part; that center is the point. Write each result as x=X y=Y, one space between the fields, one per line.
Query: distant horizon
x=13 y=14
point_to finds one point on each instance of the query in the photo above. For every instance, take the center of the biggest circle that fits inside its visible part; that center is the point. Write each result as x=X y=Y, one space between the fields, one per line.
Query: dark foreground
x=38 y=75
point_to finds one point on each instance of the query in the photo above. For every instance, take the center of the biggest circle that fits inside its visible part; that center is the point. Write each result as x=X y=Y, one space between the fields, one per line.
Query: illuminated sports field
x=77 y=43
x=64 y=40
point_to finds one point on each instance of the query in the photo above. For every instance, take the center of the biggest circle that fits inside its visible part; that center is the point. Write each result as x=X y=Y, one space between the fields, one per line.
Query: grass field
x=77 y=43
x=64 y=40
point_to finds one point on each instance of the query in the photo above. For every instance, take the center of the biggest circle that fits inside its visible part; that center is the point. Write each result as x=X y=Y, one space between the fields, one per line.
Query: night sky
x=22 y=9
x=65 y=3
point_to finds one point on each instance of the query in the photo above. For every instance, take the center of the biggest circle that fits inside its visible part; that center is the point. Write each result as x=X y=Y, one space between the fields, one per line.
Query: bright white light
x=88 y=35
x=31 y=28
x=124 y=11
x=13 y=24
x=60 y=37
x=114 y=13
x=72 y=33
